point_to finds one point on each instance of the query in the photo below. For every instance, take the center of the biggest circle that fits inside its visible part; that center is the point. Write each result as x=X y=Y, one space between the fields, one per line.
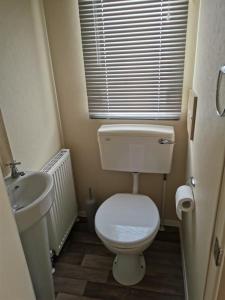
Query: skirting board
x=172 y=223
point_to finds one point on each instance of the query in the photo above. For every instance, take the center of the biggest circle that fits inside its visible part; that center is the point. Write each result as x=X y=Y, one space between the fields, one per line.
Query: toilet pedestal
x=129 y=269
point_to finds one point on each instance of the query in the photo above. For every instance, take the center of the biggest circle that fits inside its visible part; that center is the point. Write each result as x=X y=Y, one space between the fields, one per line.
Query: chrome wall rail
x=221 y=72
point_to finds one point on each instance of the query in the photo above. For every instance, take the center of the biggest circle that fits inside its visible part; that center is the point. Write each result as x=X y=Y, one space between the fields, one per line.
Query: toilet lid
x=127 y=219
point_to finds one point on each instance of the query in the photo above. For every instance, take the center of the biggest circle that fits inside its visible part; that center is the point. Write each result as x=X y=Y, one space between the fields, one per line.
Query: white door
x=217 y=262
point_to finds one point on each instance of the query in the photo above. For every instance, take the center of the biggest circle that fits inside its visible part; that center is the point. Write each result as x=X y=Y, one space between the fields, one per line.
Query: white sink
x=30 y=197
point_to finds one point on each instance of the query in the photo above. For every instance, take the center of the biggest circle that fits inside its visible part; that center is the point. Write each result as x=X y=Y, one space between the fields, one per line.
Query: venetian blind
x=134 y=54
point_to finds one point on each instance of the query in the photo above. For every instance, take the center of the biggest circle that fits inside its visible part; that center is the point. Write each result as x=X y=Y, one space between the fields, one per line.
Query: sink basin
x=30 y=197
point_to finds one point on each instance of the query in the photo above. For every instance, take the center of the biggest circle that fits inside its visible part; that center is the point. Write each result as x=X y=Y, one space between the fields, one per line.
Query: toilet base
x=129 y=269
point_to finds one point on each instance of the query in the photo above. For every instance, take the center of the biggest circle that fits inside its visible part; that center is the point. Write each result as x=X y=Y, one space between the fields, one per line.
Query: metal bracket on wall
x=219 y=78
x=218 y=253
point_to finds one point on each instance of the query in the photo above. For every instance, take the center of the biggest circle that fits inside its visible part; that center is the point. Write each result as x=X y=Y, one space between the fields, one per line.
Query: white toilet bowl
x=127 y=225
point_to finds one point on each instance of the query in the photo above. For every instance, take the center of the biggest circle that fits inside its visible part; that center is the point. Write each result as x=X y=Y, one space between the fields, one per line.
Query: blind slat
x=134 y=55
x=137 y=25
x=154 y=69
x=104 y=39
x=141 y=45
x=125 y=3
x=126 y=21
x=146 y=95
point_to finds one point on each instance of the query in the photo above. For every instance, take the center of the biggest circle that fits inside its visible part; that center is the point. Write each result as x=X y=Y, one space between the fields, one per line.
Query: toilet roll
x=184 y=200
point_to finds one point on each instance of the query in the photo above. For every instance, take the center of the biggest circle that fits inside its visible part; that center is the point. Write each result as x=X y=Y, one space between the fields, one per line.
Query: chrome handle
x=166 y=142
x=14 y=163
x=221 y=72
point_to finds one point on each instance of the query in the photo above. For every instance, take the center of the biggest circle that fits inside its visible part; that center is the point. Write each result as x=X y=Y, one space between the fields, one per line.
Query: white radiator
x=63 y=212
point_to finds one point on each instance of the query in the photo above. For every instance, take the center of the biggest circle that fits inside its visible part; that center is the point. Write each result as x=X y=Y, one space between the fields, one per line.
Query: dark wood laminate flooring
x=83 y=269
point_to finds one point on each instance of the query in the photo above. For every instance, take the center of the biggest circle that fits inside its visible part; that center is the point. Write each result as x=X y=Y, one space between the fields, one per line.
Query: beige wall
x=27 y=95
x=15 y=283
x=206 y=152
x=80 y=132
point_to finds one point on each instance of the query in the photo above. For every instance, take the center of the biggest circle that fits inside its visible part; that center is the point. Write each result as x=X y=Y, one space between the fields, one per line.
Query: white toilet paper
x=184 y=200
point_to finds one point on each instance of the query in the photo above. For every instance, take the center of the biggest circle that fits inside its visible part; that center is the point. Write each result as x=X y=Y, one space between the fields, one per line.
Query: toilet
x=127 y=223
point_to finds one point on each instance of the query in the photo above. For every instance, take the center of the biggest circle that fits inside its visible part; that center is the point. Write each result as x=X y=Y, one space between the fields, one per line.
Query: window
x=134 y=54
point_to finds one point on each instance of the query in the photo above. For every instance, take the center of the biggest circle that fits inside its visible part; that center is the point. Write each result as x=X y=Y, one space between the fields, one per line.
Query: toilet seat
x=127 y=220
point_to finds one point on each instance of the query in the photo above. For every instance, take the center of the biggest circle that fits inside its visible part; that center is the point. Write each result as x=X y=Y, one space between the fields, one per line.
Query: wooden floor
x=83 y=269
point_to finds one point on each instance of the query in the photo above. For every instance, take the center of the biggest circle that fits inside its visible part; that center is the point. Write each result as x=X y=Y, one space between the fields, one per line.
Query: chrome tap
x=14 y=171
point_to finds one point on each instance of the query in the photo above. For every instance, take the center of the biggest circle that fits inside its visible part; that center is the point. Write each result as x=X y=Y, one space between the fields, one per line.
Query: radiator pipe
x=163 y=202
x=135 y=182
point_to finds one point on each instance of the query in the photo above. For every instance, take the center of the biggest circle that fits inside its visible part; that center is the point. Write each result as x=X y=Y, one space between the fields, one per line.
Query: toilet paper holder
x=192 y=181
